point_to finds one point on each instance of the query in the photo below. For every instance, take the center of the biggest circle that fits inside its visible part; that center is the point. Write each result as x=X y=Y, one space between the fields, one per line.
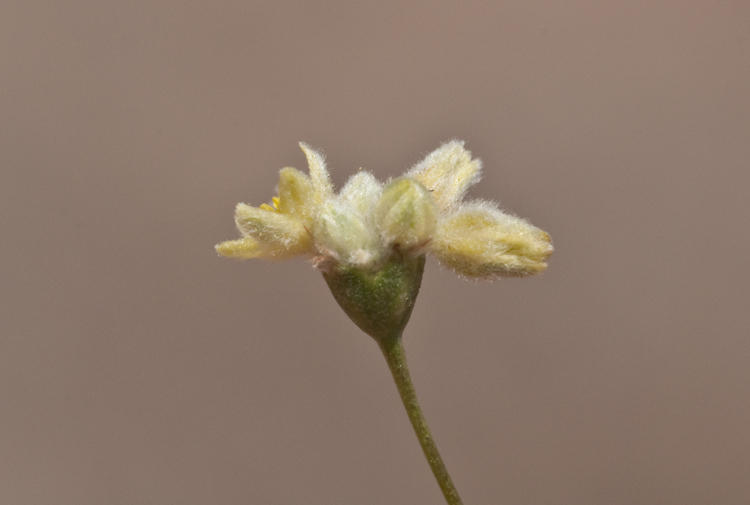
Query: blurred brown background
x=138 y=367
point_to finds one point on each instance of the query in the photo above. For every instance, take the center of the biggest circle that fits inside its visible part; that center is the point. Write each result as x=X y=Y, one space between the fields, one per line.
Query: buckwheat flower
x=370 y=242
x=366 y=223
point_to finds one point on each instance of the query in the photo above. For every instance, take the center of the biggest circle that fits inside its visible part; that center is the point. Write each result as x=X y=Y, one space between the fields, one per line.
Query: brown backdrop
x=138 y=367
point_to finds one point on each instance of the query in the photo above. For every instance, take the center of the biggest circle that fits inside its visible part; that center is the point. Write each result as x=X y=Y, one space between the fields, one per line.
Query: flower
x=370 y=241
x=367 y=223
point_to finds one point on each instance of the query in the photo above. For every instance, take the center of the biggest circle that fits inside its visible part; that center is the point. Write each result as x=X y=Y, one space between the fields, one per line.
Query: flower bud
x=405 y=214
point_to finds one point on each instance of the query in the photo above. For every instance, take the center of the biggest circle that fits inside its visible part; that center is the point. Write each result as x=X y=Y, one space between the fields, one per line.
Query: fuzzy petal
x=479 y=240
x=295 y=194
x=447 y=172
x=283 y=235
x=361 y=191
x=244 y=248
x=406 y=215
x=342 y=232
x=321 y=180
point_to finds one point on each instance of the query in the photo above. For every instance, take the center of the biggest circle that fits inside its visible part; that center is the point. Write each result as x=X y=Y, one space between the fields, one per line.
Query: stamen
x=275 y=201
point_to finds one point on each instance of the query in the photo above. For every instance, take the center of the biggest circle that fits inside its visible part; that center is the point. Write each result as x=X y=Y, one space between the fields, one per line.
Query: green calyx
x=378 y=301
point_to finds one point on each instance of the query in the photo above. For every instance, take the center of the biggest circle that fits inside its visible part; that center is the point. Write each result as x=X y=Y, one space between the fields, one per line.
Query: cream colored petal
x=248 y=247
x=361 y=191
x=406 y=215
x=341 y=231
x=447 y=172
x=321 y=180
x=244 y=248
x=479 y=240
x=281 y=234
x=295 y=194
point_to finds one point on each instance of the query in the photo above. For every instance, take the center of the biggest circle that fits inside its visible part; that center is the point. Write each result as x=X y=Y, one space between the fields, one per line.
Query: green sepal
x=378 y=301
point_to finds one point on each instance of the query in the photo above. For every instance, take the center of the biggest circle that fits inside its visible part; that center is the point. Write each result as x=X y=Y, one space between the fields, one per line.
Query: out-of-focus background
x=138 y=367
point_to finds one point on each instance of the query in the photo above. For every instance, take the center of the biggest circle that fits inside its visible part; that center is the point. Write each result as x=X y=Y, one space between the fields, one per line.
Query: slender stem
x=393 y=350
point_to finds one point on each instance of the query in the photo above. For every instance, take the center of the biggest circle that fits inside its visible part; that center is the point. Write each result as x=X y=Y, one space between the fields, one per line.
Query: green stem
x=393 y=350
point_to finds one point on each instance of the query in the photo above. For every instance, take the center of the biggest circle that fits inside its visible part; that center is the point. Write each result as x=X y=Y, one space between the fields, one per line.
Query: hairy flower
x=367 y=223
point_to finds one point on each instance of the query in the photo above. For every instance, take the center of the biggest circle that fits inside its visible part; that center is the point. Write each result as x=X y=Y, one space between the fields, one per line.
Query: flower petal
x=342 y=232
x=361 y=191
x=282 y=236
x=295 y=194
x=244 y=248
x=447 y=172
x=406 y=215
x=321 y=180
x=479 y=240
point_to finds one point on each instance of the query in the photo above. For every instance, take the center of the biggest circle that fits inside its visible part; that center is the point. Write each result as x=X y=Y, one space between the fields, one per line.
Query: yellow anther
x=275 y=208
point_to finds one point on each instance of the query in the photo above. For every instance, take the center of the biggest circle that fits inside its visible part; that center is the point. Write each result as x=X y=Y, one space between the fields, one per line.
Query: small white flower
x=366 y=223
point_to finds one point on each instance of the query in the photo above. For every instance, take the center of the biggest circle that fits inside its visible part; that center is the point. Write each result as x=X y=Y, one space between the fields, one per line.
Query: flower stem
x=393 y=350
